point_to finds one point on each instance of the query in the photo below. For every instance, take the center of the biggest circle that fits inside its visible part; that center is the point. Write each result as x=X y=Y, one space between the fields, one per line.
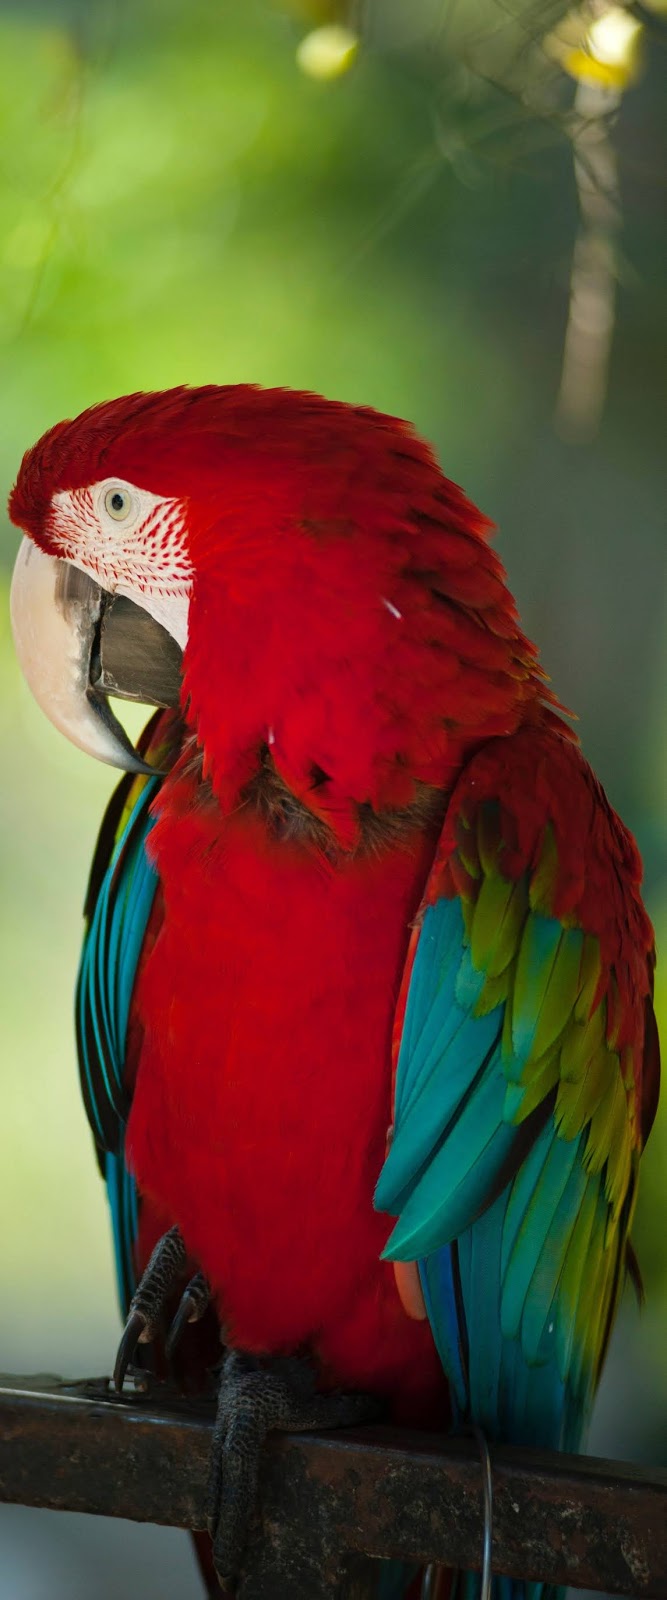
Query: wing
x=119 y=903
x=525 y=1086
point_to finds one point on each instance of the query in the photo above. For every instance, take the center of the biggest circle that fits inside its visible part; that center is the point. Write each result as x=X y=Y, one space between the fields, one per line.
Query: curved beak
x=76 y=644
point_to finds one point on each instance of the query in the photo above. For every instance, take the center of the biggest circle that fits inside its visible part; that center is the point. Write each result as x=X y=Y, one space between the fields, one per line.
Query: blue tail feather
x=509 y=1398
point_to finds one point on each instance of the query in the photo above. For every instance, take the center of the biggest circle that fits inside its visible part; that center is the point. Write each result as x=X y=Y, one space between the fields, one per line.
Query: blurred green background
x=185 y=198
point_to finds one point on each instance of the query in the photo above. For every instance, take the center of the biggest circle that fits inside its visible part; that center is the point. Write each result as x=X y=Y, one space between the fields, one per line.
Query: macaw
x=365 y=1009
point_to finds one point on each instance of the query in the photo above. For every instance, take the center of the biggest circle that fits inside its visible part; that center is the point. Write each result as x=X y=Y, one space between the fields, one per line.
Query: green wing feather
x=516 y=1101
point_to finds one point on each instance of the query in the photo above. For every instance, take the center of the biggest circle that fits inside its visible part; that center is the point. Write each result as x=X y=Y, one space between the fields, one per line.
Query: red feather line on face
x=346 y=607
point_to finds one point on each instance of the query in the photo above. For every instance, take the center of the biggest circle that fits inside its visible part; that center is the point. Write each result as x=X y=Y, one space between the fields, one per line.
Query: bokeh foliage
x=179 y=203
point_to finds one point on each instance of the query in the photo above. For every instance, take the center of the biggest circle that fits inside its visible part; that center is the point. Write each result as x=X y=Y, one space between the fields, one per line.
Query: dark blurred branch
x=330 y=1502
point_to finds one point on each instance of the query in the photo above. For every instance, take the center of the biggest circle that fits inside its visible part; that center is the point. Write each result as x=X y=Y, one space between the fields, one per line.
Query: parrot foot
x=147 y=1304
x=256 y=1397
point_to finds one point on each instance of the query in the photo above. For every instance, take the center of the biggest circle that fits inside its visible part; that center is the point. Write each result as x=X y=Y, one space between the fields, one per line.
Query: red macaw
x=364 y=1010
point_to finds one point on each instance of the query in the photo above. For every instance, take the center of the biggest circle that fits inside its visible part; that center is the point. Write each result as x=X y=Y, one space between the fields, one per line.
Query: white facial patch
x=132 y=542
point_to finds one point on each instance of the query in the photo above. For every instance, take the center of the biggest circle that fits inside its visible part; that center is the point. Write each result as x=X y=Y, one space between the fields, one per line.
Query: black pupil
x=117 y=501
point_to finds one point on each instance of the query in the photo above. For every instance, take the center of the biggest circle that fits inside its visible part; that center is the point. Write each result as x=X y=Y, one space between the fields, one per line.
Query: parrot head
x=295 y=574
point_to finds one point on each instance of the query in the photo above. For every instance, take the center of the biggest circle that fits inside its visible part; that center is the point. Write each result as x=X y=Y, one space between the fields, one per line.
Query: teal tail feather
x=511 y=1399
x=467 y=1586
x=398 y=1581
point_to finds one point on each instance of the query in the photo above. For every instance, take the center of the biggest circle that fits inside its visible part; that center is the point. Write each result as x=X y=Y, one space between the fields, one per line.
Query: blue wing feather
x=431 y=1001
x=118 y=913
x=438 y=1280
x=538 y=1222
x=459 y=1178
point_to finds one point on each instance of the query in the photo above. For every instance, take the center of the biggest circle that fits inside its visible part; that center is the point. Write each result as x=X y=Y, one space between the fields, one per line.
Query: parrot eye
x=118 y=503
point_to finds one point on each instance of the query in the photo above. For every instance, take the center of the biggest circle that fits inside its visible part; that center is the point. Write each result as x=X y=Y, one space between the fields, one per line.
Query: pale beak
x=76 y=643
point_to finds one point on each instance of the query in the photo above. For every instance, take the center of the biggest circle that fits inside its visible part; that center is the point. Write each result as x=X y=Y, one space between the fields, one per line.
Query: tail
x=467 y=1586
x=399 y=1582
x=511 y=1399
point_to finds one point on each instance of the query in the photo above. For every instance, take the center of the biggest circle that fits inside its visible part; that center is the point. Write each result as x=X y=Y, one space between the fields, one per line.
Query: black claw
x=183 y=1316
x=134 y=1327
x=192 y=1307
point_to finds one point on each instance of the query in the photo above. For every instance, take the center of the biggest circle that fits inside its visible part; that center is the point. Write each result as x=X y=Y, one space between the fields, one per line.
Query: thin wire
x=430 y=1581
x=487 y=1493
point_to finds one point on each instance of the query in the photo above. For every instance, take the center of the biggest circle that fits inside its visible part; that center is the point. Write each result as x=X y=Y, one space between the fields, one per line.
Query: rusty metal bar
x=329 y=1502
